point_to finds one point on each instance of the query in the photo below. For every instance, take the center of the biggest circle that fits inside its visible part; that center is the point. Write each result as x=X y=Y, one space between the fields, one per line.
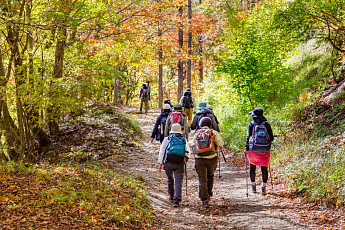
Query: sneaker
x=254 y=188
x=176 y=203
x=263 y=190
x=205 y=204
x=171 y=199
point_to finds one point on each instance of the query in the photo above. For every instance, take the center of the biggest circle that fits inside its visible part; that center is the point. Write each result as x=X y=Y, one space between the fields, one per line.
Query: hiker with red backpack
x=144 y=97
x=158 y=129
x=258 y=151
x=203 y=111
x=207 y=146
x=173 y=155
x=177 y=116
x=187 y=101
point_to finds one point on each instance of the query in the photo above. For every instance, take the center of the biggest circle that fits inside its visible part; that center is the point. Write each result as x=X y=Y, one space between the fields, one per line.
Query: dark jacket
x=144 y=86
x=209 y=114
x=258 y=120
x=155 y=133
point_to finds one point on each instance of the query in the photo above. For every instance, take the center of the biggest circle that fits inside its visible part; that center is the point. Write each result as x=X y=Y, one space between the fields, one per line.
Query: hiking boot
x=176 y=203
x=254 y=188
x=263 y=190
x=171 y=199
x=205 y=204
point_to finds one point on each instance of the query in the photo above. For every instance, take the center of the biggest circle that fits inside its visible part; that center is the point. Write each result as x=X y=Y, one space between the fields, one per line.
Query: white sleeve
x=162 y=150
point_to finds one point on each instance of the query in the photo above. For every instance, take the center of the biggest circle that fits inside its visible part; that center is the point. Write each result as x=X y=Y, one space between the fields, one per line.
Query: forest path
x=230 y=207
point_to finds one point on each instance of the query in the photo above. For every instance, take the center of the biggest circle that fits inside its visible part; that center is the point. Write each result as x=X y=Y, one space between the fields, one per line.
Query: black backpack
x=144 y=91
x=161 y=127
x=201 y=115
x=187 y=102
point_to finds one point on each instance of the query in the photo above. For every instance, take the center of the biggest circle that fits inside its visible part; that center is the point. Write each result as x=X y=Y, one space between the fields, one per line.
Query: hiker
x=173 y=154
x=147 y=83
x=144 y=97
x=187 y=101
x=259 y=151
x=203 y=111
x=210 y=107
x=207 y=145
x=158 y=129
x=167 y=101
x=177 y=116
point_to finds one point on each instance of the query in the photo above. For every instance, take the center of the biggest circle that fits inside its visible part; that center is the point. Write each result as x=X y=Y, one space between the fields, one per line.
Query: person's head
x=202 y=105
x=187 y=92
x=144 y=86
x=167 y=101
x=178 y=107
x=210 y=107
x=256 y=113
x=148 y=82
x=205 y=121
x=166 y=108
x=176 y=128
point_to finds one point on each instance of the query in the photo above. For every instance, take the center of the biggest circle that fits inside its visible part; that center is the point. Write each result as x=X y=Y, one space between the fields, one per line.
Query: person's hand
x=151 y=140
x=160 y=168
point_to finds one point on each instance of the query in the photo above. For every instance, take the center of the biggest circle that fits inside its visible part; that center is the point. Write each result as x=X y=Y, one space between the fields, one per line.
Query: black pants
x=264 y=171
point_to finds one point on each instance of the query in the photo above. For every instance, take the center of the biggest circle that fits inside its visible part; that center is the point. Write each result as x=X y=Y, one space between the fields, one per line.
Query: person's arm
x=162 y=153
x=249 y=134
x=218 y=138
x=269 y=131
x=155 y=128
x=141 y=91
x=214 y=123
x=181 y=100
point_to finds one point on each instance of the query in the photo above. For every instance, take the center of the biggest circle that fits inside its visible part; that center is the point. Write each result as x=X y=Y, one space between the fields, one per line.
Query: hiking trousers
x=189 y=115
x=205 y=169
x=174 y=184
x=144 y=100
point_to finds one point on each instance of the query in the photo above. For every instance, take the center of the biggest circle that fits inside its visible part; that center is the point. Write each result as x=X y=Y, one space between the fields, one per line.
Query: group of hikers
x=172 y=129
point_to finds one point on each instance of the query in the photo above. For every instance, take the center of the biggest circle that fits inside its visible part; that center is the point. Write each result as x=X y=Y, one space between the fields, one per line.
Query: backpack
x=201 y=115
x=177 y=117
x=176 y=149
x=144 y=92
x=187 y=102
x=261 y=140
x=161 y=127
x=204 y=142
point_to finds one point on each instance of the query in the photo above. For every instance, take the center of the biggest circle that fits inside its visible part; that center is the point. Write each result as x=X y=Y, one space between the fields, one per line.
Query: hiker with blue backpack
x=158 y=129
x=203 y=111
x=187 y=101
x=258 y=151
x=144 y=97
x=173 y=155
x=207 y=145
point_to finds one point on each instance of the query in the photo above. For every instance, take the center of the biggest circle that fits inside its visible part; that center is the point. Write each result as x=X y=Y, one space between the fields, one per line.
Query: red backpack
x=176 y=117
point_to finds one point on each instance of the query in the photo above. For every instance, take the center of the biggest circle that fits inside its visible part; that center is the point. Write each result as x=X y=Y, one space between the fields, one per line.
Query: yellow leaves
x=3 y=199
x=303 y=97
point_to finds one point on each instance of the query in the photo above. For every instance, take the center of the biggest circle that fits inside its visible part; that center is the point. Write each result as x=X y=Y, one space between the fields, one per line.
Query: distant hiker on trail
x=187 y=101
x=177 y=116
x=144 y=97
x=158 y=129
x=147 y=83
x=259 y=151
x=203 y=111
x=167 y=101
x=173 y=154
x=207 y=143
x=210 y=107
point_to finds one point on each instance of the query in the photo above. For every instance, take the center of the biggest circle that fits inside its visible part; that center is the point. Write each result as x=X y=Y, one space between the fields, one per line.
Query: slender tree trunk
x=189 y=62
x=160 y=60
x=180 y=61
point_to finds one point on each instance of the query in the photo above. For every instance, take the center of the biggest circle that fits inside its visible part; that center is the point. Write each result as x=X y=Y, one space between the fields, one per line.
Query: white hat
x=176 y=128
x=209 y=106
x=166 y=106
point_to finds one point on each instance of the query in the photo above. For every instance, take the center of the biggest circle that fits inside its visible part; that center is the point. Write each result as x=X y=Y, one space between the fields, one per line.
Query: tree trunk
x=189 y=62
x=160 y=60
x=180 y=61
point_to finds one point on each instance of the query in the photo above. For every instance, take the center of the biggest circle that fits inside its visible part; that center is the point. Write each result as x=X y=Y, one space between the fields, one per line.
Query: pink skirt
x=259 y=159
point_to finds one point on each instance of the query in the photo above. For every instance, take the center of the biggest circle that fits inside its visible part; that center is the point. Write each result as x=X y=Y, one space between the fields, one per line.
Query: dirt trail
x=230 y=207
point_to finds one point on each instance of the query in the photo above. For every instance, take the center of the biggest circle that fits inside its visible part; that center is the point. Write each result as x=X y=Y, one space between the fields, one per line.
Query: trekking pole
x=219 y=176
x=223 y=156
x=269 y=167
x=246 y=171
x=185 y=171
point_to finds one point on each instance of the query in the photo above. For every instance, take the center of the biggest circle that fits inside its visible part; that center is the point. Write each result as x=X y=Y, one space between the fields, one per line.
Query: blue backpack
x=261 y=140
x=176 y=149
